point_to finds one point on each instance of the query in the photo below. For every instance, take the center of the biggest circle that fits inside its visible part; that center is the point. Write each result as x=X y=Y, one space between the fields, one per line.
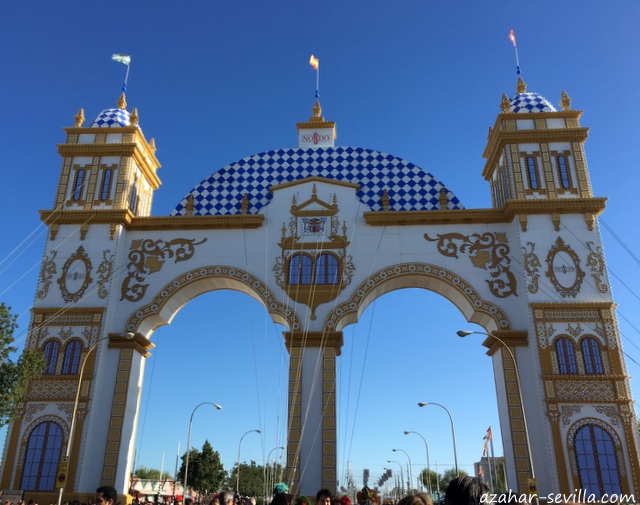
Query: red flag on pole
x=512 y=37
x=489 y=435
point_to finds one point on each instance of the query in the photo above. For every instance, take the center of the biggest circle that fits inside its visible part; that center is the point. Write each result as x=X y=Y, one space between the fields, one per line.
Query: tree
x=14 y=376
x=142 y=472
x=251 y=479
x=449 y=475
x=206 y=472
x=432 y=482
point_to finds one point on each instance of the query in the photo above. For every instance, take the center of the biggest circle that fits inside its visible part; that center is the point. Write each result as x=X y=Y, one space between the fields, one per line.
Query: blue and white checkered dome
x=526 y=102
x=112 y=118
x=409 y=187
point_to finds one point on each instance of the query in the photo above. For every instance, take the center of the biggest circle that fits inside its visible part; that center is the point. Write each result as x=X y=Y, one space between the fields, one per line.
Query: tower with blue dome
x=316 y=233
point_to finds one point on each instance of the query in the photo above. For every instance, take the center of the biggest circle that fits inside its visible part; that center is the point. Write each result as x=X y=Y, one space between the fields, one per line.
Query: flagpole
x=126 y=78
x=517 y=62
x=493 y=463
x=318 y=82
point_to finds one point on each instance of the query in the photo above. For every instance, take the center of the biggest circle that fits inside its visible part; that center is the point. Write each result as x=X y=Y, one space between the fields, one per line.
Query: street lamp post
x=453 y=431
x=466 y=333
x=409 y=465
x=265 y=487
x=426 y=446
x=401 y=475
x=186 y=460
x=74 y=414
x=238 y=467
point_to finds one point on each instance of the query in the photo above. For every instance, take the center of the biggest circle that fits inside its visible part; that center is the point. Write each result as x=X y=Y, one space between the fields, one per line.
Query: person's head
x=465 y=491
x=106 y=495
x=323 y=497
x=226 y=497
x=416 y=499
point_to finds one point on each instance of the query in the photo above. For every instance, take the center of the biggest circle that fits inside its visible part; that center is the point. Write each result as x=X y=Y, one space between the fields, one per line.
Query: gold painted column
x=119 y=405
x=303 y=428
x=517 y=424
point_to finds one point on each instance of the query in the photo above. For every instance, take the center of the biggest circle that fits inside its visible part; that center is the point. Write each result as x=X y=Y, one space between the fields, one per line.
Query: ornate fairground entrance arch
x=530 y=270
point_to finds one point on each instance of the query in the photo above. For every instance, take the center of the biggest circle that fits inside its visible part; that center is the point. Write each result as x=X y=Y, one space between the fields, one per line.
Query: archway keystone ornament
x=327 y=212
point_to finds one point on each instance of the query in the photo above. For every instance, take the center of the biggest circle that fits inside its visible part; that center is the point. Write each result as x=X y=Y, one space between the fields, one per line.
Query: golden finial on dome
x=521 y=87
x=505 y=103
x=244 y=205
x=134 y=119
x=385 y=200
x=444 y=199
x=190 y=205
x=565 y=101
x=79 y=118
x=122 y=102
x=317 y=110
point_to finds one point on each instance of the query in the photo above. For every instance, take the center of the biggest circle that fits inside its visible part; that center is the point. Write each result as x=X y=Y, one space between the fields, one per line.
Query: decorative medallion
x=531 y=266
x=104 y=273
x=76 y=276
x=564 y=269
x=147 y=257
x=47 y=272
x=488 y=251
x=595 y=261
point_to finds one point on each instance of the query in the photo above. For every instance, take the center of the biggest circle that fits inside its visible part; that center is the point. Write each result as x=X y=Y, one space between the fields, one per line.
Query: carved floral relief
x=489 y=251
x=147 y=257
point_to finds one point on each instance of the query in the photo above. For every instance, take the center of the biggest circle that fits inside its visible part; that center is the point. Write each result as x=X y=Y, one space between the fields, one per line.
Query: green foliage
x=142 y=472
x=432 y=481
x=448 y=476
x=252 y=478
x=14 y=376
x=206 y=472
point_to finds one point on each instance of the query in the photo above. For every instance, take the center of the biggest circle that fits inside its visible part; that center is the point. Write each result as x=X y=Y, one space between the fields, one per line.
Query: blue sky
x=215 y=81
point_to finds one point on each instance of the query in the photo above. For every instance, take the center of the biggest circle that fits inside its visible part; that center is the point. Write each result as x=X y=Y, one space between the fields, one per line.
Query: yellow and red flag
x=512 y=37
x=313 y=61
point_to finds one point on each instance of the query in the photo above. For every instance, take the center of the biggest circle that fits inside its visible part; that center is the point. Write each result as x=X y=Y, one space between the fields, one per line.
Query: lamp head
x=257 y=431
x=129 y=335
x=407 y=432
x=218 y=407
x=422 y=404
x=464 y=333
x=394 y=450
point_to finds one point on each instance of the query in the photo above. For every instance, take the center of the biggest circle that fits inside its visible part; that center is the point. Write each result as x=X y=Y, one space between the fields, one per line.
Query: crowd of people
x=461 y=491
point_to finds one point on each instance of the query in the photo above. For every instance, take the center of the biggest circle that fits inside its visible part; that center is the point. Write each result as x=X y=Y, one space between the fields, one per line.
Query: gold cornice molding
x=506 y=214
x=151 y=223
x=573 y=306
x=422 y=217
x=123 y=149
x=139 y=343
x=91 y=216
x=315 y=178
x=512 y=338
x=159 y=223
x=499 y=138
x=316 y=339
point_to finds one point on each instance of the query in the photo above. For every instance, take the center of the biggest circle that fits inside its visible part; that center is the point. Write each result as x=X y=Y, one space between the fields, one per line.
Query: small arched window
x=133 y=199
x=563 y=171
x=50 y=351
x=71 y=358
x=327 y=269
x=42 y=457
x=597 y=464
x=300 y=269
x=532 y=173
x=566 y=356
x=77 y=185
x=105 y=187
x=591 y=356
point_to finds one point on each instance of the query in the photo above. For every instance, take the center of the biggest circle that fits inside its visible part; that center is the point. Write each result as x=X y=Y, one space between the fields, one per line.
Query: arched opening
x=402 y=350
